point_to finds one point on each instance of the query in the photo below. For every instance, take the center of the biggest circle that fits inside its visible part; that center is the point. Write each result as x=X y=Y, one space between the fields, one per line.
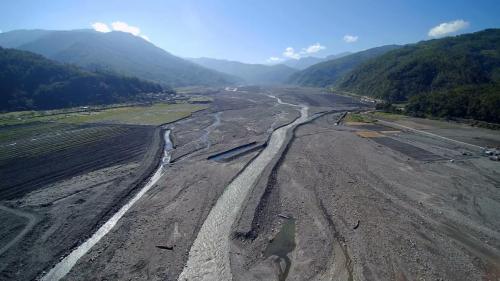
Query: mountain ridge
x=115 y=51
x=329 y=72
x=305 y=62
x=249 y=73
x=457 y=76
x=30 y=81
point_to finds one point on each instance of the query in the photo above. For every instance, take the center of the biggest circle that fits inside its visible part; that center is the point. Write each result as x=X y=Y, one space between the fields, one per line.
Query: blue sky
x=257 y=30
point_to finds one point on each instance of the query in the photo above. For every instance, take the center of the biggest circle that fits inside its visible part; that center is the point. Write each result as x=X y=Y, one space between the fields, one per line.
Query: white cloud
x=274 y=59
x=447 y=28
x=350 y=38
x=101 y=27
x=290 y=53
x=313 y=49
x=124 y=27
x=120 y=26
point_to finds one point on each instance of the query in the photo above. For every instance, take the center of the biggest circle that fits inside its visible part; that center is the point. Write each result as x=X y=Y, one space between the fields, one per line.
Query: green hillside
x=30 y=81
x=117 y=52
x=329 y=72
x=450 y=77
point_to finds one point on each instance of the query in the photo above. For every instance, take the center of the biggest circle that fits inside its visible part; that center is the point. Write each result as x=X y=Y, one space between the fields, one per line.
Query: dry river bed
x=325 y=200
x=365 y=209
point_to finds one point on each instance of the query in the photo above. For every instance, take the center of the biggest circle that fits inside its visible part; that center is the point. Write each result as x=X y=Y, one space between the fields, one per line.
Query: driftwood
x=164 y=247
x=357 y=225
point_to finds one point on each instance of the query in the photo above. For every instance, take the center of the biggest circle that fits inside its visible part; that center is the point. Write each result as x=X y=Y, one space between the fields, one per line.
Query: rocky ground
x=368 y=211
x=340 y=201
x=153 y=239
x=53 y=201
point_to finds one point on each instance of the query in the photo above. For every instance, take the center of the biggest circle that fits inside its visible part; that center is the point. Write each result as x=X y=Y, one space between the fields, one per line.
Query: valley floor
x=339 y=201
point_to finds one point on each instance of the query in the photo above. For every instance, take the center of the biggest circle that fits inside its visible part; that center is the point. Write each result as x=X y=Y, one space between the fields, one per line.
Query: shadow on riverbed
x=236 y=152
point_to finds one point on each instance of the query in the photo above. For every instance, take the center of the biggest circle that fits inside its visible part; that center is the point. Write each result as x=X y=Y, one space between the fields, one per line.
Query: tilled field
x=70 y=149
x=58 y=183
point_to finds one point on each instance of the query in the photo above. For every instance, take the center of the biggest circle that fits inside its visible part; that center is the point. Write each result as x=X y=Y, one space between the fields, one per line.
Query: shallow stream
x=66 y=264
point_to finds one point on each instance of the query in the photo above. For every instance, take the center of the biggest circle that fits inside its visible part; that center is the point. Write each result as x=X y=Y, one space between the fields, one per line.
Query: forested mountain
x=329 y=72
x=117 y=52
x=306 y=62
x=249 y=73
x=30 y=81
x=453 y=77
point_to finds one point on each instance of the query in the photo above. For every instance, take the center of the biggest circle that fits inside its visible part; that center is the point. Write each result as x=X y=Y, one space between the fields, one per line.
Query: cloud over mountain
x=446 y=28
x=119 y=26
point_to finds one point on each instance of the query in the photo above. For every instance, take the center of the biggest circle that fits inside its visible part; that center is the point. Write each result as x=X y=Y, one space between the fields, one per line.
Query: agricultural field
x=357 y=117
x=141 y=115
x=155 y=114
x=70 y=149
x=30 y=139
x=52 y=173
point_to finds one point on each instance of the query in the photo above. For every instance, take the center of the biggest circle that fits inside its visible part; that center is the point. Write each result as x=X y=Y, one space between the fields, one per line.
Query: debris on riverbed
x=165 y=247
x=357 y=225
x=236 y=152
x=283 y=216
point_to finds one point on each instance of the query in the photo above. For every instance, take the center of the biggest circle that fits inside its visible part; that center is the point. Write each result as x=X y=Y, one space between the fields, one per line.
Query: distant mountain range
x=30 y=81
x=117 y=52
x=327 y=73
x=249 y=73
x=305 y=62
x=454 y=76
x=263 y=74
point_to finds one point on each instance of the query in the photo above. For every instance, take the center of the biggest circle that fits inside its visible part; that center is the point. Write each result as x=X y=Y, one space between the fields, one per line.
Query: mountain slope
x=306 y=62
x=455 y=76
x=303 y=63
x=329 y=72
x=250 y=73
x=117 y=52
x=17 y=38
x=30 y=81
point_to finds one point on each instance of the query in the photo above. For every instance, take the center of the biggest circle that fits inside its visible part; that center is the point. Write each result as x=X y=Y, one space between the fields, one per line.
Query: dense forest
x=30 y=81
x=450 y=77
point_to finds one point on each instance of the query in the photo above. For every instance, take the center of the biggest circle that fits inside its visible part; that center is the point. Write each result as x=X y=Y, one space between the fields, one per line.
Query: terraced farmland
x=71 y=149
x=75 y=142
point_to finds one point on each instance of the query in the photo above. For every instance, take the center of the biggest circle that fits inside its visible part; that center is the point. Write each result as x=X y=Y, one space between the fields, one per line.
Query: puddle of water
x=209 y=254
x=282 y=245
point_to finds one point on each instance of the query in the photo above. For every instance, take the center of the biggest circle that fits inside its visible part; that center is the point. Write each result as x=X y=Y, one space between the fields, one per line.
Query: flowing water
x=209 y=256
x=205 y=138
x=65 y=265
